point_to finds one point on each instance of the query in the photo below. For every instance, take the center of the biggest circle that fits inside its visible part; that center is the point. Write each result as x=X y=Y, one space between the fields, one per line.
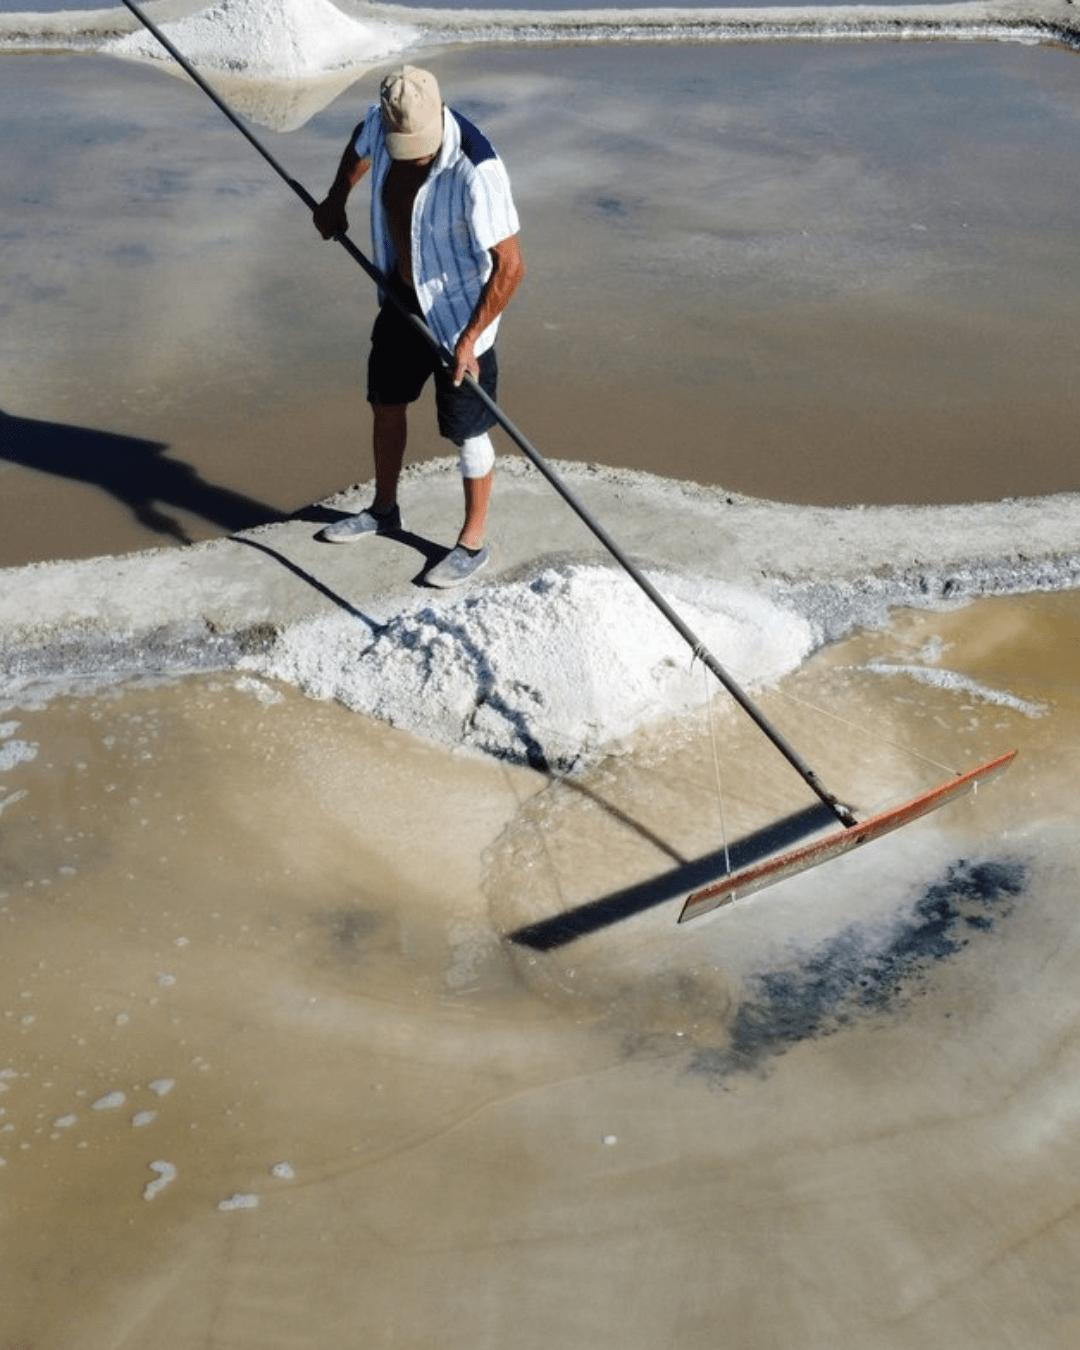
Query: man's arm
x=329 y=216
x=506 y=276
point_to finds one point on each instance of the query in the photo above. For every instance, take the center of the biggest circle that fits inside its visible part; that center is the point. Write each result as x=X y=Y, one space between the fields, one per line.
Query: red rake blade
x=738 y=884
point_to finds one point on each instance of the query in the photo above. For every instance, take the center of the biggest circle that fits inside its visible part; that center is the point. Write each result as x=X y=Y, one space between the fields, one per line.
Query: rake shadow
x=549 y=934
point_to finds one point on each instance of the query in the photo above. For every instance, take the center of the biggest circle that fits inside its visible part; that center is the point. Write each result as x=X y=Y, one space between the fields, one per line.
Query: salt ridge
x=390 y=29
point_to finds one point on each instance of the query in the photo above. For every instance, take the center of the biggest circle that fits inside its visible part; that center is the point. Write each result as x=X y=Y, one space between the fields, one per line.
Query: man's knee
x=389 y=414
x=476 y=456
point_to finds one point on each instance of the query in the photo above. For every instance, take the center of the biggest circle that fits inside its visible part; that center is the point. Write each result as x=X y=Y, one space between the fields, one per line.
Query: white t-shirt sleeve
x=493 y=216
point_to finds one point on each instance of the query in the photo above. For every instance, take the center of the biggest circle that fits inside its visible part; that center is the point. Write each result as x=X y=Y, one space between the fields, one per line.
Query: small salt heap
x=270 y=39
x=554 y=668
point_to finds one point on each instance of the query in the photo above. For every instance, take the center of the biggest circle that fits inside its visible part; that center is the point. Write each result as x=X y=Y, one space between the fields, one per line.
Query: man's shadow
x=135 y=471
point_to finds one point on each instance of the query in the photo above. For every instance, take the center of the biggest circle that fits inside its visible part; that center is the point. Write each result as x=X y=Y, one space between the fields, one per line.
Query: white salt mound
x=551 y=669
x=269 y=39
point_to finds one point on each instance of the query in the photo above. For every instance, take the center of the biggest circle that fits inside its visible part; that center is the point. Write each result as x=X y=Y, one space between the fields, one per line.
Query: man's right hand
x=330 y=218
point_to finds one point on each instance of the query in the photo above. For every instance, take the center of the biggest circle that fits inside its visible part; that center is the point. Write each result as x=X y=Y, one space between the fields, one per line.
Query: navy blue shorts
x=402 y=360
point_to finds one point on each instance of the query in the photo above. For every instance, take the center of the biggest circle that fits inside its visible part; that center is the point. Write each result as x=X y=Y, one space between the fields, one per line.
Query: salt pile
x=548 y=670
x=270 y=39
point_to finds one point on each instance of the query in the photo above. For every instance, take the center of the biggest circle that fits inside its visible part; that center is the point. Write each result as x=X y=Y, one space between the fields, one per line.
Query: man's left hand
x=465 y=362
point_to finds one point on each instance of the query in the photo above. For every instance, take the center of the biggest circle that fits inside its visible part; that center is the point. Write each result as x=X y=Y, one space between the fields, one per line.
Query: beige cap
x=411 y=113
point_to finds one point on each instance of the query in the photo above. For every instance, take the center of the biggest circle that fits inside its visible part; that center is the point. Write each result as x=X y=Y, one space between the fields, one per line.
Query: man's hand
x=465 y=361
x=330 y=218
x=507 y=270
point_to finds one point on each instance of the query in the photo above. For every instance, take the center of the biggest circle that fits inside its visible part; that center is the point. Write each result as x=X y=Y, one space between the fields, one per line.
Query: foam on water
x=14 y=752
x=166 y=1174
x=948 y=679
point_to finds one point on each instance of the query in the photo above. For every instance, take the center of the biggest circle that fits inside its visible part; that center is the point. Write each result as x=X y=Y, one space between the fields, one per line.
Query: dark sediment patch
x=856 y=973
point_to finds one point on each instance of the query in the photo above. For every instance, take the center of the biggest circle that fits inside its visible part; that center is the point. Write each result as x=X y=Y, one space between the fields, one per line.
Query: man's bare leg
x=477 y=497
x=381 y=517
x=388 y=438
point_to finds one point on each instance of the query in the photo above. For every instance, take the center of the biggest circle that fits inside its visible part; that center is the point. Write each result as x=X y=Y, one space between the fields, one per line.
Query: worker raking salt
x=444 y=232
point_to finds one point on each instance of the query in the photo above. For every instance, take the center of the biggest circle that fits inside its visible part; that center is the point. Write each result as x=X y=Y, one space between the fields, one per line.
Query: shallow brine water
x=283 y=1066
x=805 y=272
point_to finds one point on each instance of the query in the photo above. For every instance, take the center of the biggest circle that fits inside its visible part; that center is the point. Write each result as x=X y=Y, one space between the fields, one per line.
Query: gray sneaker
x=347 y=529
x=458 y=566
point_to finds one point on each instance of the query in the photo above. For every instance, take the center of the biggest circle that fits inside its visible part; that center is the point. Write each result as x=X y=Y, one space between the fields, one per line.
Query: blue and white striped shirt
x=463 y=209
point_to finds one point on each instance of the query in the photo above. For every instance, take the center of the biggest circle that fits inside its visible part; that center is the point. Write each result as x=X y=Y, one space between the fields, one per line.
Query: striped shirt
x=463 y=209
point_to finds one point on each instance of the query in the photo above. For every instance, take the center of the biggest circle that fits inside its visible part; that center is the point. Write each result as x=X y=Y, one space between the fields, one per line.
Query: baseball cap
x=411 y=113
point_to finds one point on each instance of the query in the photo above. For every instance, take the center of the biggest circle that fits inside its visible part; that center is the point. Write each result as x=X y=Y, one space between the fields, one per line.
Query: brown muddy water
x=278 y=1071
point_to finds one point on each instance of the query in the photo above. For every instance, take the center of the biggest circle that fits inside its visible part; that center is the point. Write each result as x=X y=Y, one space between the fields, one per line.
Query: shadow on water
x=608 y=910
x=135 y=471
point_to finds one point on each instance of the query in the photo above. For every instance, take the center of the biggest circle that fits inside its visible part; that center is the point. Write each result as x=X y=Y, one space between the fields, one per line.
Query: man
x=444 y=230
